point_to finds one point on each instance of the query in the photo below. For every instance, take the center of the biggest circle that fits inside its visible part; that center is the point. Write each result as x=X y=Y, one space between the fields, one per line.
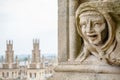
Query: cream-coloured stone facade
x=88 y=40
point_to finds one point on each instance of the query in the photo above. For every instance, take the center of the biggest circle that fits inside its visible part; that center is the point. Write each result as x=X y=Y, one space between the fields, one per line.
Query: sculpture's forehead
x=90 y=13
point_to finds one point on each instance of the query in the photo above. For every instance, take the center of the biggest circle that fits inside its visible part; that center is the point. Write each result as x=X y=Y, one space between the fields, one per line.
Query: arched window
x=12 y=74
x=30 y=75
x=7 y=74
x=3 y=74
x=35 y=75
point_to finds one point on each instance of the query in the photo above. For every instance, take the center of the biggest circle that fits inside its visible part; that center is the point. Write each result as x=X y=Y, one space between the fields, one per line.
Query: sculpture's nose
x=89 y=28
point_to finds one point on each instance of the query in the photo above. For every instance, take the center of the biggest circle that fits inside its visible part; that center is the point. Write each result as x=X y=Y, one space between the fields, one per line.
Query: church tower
x=9 y=69
x=9 y=52
x=34 y=69
x=36 y=52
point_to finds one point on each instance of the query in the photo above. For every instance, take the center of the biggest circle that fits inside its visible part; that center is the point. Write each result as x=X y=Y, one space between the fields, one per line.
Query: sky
x=25 y=20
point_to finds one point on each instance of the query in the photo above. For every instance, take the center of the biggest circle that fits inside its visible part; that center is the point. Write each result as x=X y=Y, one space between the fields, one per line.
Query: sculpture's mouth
x=92 y=36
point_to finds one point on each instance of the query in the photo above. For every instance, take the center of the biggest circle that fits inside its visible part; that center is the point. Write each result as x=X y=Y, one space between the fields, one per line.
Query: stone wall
x=78 y=58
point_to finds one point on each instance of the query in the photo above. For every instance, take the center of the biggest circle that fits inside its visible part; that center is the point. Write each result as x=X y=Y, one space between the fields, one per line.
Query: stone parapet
x=84 y=76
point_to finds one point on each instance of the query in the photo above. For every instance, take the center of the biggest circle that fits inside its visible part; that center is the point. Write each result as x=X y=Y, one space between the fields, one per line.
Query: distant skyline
x=25 y=20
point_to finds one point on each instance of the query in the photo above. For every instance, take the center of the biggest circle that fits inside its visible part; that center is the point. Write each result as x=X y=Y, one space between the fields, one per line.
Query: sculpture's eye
x=97 y=24
x=83 y=25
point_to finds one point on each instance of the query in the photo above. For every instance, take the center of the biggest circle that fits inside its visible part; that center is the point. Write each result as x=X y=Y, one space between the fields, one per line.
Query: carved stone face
x=93 y=27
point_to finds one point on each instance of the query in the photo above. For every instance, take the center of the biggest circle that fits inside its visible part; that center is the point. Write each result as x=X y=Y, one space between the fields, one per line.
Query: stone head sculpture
x=97 y=30
x=93 y=27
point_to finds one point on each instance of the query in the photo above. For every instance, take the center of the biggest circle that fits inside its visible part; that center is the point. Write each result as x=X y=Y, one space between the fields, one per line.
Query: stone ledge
x=88 y=69
x=84 y=76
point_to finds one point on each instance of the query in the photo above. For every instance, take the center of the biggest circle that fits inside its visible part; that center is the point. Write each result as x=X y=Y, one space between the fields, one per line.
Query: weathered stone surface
x=63 y=30
x=97 y=28
x=92 y=55
x=73 y=36
x=84 y=76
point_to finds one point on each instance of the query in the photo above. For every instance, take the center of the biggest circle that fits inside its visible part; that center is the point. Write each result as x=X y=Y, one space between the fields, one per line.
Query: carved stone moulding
x=84 y=76
x=88 y=69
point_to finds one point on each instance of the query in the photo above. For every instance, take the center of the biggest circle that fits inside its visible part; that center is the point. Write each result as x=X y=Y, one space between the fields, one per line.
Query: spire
x=9 y=57
x=9 y=44
x=9 y=41
x=36 y=43
x=36 y=51
x=16 y=59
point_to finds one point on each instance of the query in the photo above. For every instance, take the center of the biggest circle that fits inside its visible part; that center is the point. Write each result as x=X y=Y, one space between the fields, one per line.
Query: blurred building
x=9 y=67
x=34 y=67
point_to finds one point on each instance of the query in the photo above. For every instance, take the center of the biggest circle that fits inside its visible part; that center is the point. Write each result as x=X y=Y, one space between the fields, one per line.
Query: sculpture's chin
x=94 y=42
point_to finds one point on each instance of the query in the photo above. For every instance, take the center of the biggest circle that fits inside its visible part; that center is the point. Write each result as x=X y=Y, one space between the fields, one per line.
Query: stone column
x=73 y=4
x=63 y=19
